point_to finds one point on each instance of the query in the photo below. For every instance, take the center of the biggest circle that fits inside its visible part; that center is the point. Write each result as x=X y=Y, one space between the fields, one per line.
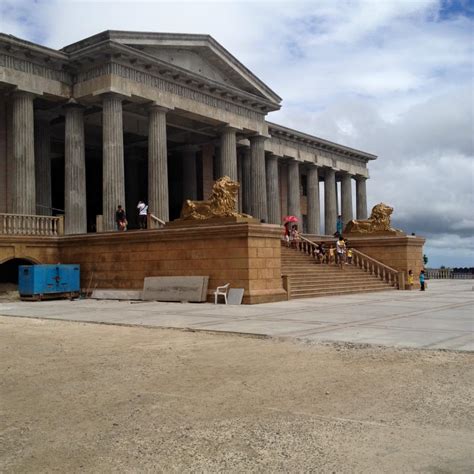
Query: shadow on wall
x=9 y=270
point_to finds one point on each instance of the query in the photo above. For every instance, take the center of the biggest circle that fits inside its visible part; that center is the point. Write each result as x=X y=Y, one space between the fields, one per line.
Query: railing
x=155 y=222
x=361 y=260
x=21 y=224
x=447 y=273
x=374 y=267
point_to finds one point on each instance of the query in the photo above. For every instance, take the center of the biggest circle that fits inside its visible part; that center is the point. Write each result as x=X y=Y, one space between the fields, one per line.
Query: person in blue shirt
x=422 y=280
x=339 y=226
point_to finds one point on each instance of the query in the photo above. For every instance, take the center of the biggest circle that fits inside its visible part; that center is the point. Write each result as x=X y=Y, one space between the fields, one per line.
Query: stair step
x=335 y=293
x=308 y=278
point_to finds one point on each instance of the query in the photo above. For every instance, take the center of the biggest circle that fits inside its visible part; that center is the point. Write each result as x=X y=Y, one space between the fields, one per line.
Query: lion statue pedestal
x=377 y=224
x=219 y=209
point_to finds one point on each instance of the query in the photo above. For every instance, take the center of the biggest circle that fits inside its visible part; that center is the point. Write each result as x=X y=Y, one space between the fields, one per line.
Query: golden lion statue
x=221 y=203
x=379 y=221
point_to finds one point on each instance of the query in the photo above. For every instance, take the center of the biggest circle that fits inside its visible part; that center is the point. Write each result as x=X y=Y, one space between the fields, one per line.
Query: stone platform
x=439 y=318
x=246 y=255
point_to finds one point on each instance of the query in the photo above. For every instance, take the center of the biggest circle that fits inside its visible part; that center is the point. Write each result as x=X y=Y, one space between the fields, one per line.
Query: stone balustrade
x=21 y=224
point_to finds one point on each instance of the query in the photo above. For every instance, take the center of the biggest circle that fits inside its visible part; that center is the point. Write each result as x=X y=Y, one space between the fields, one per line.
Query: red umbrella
x=290 y=219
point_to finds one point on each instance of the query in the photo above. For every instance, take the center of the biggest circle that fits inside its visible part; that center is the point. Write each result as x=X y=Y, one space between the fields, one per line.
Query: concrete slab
x=441 y=318
x=182 y=288
x=124 y=295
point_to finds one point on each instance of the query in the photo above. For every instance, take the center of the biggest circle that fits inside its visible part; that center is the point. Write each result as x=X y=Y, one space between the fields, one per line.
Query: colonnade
x=259 y=171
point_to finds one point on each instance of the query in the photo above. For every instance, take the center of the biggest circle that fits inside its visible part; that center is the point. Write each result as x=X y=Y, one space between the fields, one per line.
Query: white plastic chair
x=221 y=291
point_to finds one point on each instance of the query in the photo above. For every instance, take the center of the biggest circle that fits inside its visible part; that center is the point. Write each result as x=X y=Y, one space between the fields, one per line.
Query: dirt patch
x=93 y=398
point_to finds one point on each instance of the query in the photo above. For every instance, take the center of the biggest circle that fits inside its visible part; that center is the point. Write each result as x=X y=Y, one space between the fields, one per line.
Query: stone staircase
x=309 y=279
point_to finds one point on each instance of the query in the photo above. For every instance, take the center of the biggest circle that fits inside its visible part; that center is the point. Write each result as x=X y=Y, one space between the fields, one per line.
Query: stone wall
x=402 y=253
x=35 y=249
x=244 y=255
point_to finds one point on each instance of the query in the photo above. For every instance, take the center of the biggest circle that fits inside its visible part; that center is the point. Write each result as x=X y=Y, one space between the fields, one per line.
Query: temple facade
x=126 y=116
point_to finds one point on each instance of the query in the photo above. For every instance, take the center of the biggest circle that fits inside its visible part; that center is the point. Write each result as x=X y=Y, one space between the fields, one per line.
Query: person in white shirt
x=142 y=213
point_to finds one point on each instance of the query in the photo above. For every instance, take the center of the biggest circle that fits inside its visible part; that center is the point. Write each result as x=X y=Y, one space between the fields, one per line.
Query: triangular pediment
x=195 y=61
x=199 y=54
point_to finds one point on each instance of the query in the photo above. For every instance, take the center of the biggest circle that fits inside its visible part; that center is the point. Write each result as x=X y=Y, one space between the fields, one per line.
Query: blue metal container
x=36 y=281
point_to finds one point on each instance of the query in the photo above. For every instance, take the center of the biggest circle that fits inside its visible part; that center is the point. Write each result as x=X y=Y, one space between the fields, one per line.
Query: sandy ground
x=94 y=398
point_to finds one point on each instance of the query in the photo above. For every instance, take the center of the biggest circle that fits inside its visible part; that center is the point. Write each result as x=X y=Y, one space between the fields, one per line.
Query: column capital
x=258 y=138
x=269 y=155
x=229 y=129
x=73 y=104
x=112 y=95
x=22 y=93
x=310 y=165
x=154 y=107
x=359 y=177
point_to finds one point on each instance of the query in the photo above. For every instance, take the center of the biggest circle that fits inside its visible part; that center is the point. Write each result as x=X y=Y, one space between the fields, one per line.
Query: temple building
x=126 y=116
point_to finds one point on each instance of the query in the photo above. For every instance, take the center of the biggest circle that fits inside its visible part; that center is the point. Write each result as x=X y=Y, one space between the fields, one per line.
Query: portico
x=123 y=116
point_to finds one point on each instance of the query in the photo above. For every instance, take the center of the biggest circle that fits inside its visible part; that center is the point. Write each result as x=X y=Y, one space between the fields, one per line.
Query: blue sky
x=392 y=77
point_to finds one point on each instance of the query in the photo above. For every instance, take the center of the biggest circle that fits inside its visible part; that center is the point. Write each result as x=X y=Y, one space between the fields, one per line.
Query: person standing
x=422 y=280
x=142 y=214
x=349 y=255
x=341 y=252
x=121 y=218
x=339 y=226
x=411 y=280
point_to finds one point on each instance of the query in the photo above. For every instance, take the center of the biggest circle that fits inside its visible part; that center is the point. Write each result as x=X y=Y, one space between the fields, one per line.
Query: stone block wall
x=34 y=249
x=402 y=253
x=244 y=255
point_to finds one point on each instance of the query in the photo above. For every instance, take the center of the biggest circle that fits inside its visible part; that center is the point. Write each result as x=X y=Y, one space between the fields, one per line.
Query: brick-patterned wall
x=244 y=255
x=401 y=253
x=35 y=249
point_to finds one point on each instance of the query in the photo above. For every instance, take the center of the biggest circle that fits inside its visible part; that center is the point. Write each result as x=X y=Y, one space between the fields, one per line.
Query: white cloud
x=391 y=77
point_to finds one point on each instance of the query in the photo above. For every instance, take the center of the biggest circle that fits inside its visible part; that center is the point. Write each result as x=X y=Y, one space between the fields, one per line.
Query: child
x=331 y=254
x=411 y=280
x=349 y=256
x=341 y=251
x=422 y=280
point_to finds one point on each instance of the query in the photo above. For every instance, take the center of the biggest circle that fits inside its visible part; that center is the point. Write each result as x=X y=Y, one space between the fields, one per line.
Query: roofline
x=116 y=34
x=21 y=43
x=124 y=49
x=320 y=141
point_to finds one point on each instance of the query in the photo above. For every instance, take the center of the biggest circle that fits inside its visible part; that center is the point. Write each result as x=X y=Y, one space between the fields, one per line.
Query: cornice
x=108 y=50
x=314 y=143
x=180 y=40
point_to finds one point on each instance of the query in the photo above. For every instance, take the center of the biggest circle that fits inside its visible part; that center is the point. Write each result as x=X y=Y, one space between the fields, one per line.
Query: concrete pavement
x=440 y=318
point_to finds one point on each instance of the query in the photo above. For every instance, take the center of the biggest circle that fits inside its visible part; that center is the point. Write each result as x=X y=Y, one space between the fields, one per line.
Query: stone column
x=273 y=193
x=133 y=184
x=258 y=177
x=361 y=197
x=346 y=198
x=294 y=195
x=113 y=162
x=246 y=181
x=228 y=153
x=330 y=204
x=239 y=179
x=43 y=162
x=158 y=163
x=24 y=190
x=75 y=202
x=314 y=215
x=189 y=172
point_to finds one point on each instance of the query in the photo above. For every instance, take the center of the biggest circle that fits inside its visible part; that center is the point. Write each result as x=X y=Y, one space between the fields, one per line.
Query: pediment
x=194 y=60
x=200 y=54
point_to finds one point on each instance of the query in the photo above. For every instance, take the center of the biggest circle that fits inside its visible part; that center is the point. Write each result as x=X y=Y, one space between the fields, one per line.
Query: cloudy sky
x=391 y=77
